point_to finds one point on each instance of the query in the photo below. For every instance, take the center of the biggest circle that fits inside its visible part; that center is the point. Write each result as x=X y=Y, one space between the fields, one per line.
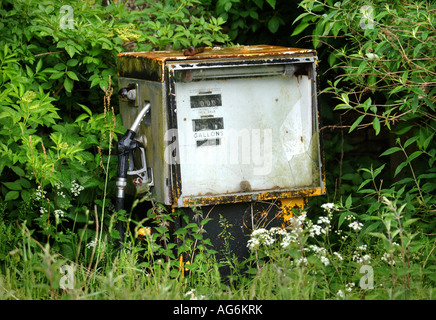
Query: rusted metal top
x=218 y=52
x=149 y=64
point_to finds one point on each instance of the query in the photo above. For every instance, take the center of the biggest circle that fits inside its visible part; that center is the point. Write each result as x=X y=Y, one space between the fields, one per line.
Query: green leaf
x=16 y=185
x=258 y=3
x=273 y=24
x=332 y=59
x=410 y=141
x=376 y=125
x=68 y=84
x=410 y=221
x=38 y=66
x=12 y=195
x=342 y=218
x=180 y=231
x=399 y=168
x=378 y=235
x=59 y=66
x=72 y=75
x=272 y=3
x=300 y=28
x=70 y=50
x=204 y=221
x=414 y=155
x=72 y=62
x=18 y=171
x=390 y=151
x=57 y=75
x=356 y=123
x=88 y=111
x=191 y=225
x=348 y=202
x=378 y=170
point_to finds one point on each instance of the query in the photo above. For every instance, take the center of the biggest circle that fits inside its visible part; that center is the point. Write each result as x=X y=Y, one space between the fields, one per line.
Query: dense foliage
x=58 y=114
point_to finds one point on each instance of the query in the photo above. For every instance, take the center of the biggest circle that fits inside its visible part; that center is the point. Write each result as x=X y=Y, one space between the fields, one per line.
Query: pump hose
x=125 y=146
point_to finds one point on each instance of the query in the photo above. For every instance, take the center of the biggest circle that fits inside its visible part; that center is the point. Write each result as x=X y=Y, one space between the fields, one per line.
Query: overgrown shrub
x=59 y=116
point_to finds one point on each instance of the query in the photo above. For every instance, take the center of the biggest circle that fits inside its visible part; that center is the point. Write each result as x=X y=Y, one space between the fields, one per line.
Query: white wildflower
x=388 y=258
x=325 y=260
x=253 y=243
x=318 y=250
x=42 y=211
x=356 y=225
x=349 y=286
x=338 y=256
x=324 y=220
x=340 y=294
x=301 y=261
x=76 y=188
x=288 y=239
x=366 y=259
x=39 y=194
x=191 y=293
x=265 y=237
x=59 y=213
x=329 y=207
x=362 y=247
x=91 y=244
x=316 y=230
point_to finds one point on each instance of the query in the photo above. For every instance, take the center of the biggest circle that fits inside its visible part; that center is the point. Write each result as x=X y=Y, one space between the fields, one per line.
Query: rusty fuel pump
x=233 y=131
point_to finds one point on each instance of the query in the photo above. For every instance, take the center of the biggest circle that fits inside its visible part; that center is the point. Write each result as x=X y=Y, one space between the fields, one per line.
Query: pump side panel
x=152 y=131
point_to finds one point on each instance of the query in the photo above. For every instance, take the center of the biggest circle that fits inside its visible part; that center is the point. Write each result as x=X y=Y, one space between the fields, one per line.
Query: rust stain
x=263 y=196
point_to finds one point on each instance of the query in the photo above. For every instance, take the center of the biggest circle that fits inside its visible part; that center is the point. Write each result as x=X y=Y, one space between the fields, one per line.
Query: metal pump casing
x=228 y=128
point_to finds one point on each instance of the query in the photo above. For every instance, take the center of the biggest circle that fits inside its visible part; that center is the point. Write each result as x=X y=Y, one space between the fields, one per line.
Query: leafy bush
x=57 y=119
x=255 y=21
x=380 y=81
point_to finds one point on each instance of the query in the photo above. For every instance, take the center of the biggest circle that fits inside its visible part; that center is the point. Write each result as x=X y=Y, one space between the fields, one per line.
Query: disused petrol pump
x=232 y=130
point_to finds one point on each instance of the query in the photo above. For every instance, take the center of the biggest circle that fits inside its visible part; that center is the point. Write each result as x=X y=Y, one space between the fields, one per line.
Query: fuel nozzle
x=126 y=145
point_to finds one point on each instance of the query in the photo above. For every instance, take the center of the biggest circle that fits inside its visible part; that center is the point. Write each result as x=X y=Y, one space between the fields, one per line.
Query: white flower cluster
x=192 y=296
x=321 y=227
x=39 y=194
x=76 y=188
x=359 y=256
x=42 y=211
x=59 y=213
x=321 y=253
x=349 y=286
x=301 y=261
x=265 y=237
x=91 y=244
x=59 y=186
x=356 y=225
x=329 y=207
x=388 y=258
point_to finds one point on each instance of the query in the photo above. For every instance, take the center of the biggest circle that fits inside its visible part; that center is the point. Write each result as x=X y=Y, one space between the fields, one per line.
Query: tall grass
x=33 y=271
